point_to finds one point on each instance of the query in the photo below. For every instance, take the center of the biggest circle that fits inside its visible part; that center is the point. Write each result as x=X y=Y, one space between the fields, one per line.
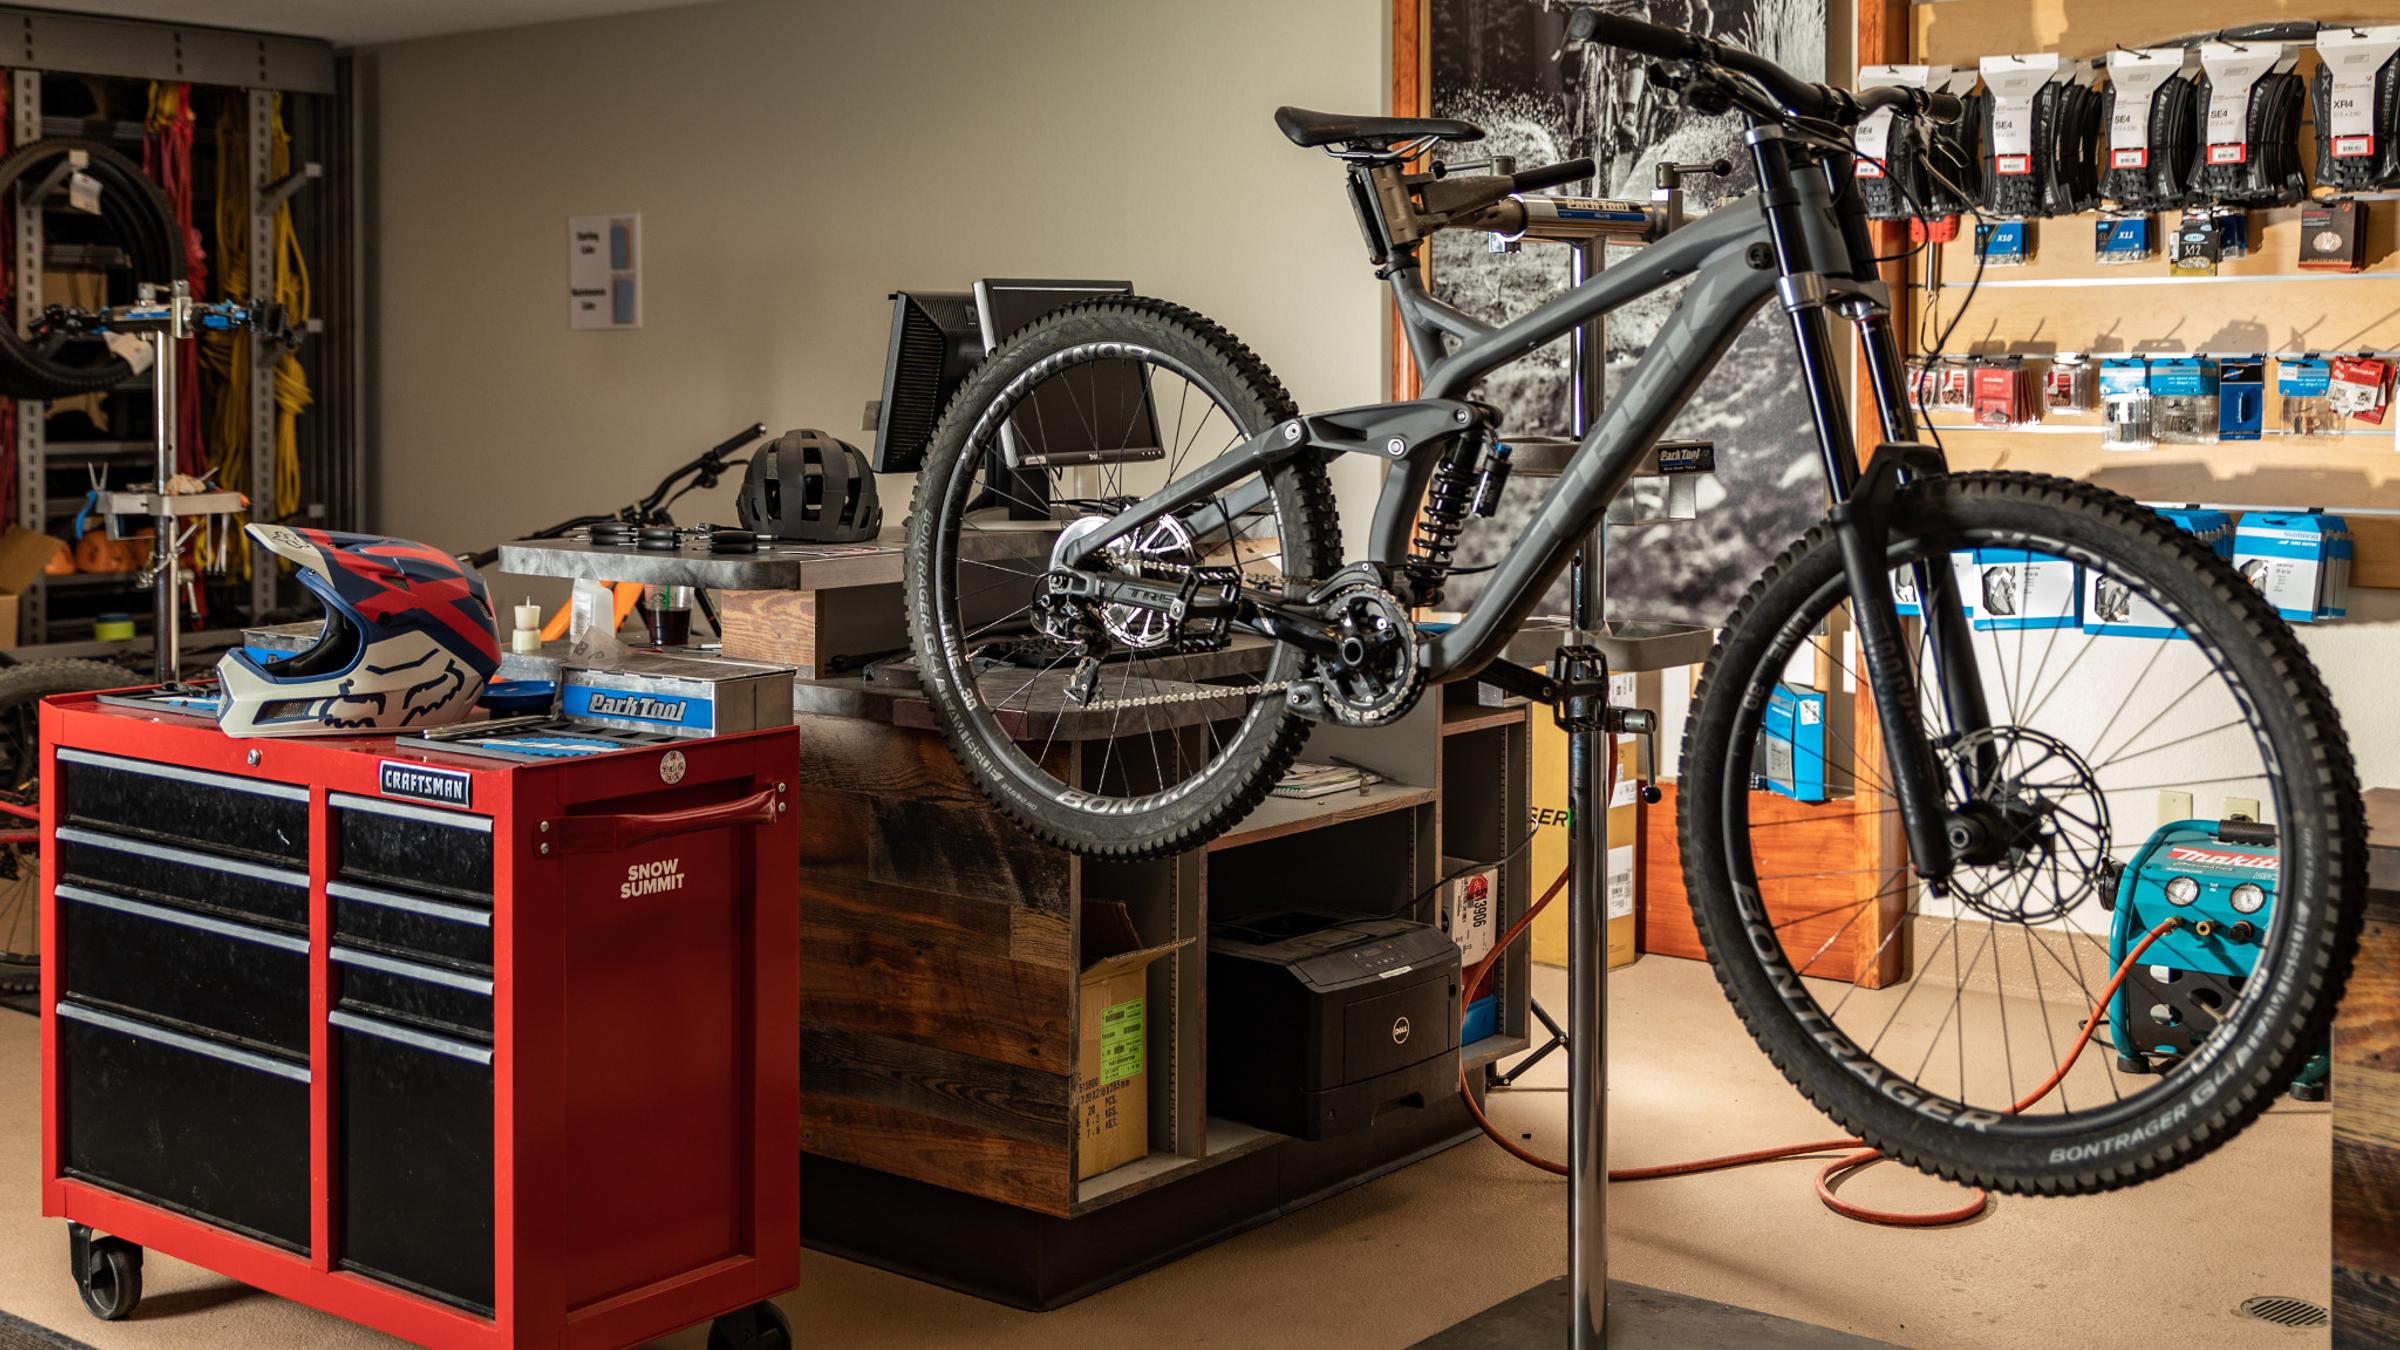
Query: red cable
x=1833 y=1171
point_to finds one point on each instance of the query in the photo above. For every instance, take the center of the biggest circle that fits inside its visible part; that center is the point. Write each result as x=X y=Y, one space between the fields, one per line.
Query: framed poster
x=1503 y=65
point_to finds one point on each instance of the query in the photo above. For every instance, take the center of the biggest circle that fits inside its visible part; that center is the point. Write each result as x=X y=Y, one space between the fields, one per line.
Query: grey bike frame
x=1728 y=259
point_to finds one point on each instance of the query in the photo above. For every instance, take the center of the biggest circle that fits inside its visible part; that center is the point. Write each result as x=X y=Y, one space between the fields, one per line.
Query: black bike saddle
x=1316 y=128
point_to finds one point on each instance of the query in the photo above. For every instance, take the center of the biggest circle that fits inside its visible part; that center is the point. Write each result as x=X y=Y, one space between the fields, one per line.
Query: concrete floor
x=1407 y=1256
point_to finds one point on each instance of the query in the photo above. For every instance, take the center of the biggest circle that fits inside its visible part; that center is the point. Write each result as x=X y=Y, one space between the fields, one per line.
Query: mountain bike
x=1187 y=589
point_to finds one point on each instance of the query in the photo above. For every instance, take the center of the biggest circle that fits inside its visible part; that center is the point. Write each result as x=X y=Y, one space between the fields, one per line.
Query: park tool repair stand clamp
x=161 y=322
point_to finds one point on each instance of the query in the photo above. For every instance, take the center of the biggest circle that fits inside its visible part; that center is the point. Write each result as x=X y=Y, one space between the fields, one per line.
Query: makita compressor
x=2219 y=878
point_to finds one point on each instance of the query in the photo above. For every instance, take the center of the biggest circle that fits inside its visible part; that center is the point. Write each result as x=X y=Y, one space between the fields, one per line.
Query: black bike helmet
x=806 y=485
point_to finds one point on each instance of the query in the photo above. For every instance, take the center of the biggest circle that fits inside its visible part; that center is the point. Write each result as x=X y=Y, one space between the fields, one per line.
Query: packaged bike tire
x=2357 y=92
x=2252 y=104
x=2152 y=115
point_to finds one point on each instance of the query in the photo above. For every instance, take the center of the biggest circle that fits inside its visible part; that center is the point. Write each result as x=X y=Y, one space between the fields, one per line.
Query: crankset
x=1375 y=672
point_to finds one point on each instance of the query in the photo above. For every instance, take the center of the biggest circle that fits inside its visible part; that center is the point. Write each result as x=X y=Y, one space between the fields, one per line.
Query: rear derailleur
x=1086 y=613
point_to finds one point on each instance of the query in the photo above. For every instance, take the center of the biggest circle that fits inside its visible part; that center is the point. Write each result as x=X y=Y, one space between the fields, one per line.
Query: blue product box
x=2241 y=398
x=2017 y=588
x=2124 y=240
x=1791 y=745
x=1482 y=1019
x=2111 y=607
x=2295 y=559
x=1904 y=586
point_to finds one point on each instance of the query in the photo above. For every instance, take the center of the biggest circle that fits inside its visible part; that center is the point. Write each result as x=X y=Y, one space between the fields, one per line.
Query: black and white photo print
x=1498 y=63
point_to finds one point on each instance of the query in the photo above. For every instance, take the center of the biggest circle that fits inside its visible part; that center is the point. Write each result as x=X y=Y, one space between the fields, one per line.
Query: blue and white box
x=2018 y=588
x=1791 y=744
x=2110 y=606
x=1904 y=586
x=679 y=695
x=2296 y=560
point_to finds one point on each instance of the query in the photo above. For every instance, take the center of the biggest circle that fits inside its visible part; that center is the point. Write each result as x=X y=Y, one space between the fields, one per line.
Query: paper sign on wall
x=604 y=267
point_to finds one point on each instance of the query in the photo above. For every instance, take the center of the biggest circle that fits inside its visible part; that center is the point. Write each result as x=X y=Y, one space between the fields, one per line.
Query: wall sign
x=604 y=271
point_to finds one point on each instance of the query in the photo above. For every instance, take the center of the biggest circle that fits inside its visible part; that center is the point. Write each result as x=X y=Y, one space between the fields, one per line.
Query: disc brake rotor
x=2041 y=821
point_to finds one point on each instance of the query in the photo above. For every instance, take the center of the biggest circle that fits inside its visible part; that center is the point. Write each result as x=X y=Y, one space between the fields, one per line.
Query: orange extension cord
x=1832 y=1171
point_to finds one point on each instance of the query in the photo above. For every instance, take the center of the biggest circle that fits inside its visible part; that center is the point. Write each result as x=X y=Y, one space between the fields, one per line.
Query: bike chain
x=1260 y=582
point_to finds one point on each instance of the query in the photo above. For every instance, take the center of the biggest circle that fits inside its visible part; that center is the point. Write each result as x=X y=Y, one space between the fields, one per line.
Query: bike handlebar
x=1790 y=92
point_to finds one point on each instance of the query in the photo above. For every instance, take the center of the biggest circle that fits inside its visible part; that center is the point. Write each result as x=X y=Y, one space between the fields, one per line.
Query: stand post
x=1587 y=913
x=166 y=590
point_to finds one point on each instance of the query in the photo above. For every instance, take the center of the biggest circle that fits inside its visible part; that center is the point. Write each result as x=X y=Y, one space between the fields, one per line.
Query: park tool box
x=475 y=1053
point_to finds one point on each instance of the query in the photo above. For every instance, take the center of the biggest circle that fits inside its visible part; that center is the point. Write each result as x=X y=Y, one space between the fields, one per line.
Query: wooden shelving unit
x=942 y=944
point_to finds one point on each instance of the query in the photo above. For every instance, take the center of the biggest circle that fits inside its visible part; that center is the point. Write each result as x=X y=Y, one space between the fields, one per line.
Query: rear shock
x=1466 y=483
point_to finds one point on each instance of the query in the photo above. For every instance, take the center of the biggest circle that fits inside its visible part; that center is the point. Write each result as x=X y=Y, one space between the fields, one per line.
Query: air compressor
x=2219 y=877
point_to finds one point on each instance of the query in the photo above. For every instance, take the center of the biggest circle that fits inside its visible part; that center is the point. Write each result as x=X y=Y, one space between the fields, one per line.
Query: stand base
x=1639 y=1316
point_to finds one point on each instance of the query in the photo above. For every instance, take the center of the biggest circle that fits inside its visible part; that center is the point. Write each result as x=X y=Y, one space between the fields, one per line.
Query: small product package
x=2067 y=385
x=2183 y=399
x=1791 y=744
x=2294 y=559
x=2361 y=387
x=2333 y=236
x=2016 y=588
x=2007 y=243
x=2003 y=393
x=2304 y=384
x=2110 y=606
x=1905 y=601
x=2241 y=398
x=2125 y=399
x=2121 y=239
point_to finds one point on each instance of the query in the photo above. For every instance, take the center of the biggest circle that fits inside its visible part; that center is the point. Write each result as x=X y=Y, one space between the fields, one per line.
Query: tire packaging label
x=2014 y=81
x=2137 y=77
x=2232 y=71
x=2353 y=58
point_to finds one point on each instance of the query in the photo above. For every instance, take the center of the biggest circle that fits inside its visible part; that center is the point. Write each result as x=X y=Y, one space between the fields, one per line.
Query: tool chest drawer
x=417 y=848
x=147 y=868
x=212 y=811
x=416 y=1158
x=411 y=991
x=381 y=919
x=186 y=967
x=185 y=1121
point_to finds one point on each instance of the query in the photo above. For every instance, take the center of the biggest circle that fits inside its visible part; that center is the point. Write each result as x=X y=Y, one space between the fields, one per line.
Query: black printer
x=1318 y=1022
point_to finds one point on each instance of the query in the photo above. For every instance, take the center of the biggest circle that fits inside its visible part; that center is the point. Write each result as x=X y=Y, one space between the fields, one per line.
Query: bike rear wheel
x=1985 y=989
x=1176 y=738
x=22 y=689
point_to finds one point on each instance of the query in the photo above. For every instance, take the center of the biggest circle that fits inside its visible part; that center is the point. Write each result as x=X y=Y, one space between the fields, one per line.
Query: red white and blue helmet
x=408 y=642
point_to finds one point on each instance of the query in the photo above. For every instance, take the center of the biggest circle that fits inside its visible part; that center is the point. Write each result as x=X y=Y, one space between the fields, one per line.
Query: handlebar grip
x=1552 y=175
x=1633 y=35
x=1944 y=108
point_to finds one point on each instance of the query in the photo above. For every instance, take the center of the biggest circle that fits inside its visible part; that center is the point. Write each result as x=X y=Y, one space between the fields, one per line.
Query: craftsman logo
x=642 y=706
x=1400 y=1032
x=671 y=767
x=420 y=782
x=652 y=877
x=2211 y=858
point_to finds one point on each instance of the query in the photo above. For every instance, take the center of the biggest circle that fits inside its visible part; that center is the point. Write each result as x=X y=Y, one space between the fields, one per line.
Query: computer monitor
x=936 y=339
x=1103 y=415
x=1097 y=414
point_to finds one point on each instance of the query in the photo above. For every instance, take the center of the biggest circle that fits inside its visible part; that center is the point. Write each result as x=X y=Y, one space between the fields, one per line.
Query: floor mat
x=18 y=1334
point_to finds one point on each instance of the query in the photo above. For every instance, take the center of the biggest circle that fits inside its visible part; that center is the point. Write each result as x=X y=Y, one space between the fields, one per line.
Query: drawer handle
x=607 y=834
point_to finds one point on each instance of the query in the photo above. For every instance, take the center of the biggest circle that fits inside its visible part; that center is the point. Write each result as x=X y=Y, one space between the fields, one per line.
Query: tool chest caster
x=761 y=1326
x=484 y=1055
x=107 y=1270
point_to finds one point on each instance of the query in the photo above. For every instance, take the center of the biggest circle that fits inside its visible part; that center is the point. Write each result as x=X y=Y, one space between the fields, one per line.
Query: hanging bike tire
x=140 y=220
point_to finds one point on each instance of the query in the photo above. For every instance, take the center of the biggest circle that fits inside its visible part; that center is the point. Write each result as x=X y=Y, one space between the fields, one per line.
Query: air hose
x=1854 y=1153
x=137 y=215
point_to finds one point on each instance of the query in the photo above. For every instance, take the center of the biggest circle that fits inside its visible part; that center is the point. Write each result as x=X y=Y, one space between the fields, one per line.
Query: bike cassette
x=1375 y=673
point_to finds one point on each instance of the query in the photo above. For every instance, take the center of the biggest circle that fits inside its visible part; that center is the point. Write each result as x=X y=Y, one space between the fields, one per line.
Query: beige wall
x=796 y=160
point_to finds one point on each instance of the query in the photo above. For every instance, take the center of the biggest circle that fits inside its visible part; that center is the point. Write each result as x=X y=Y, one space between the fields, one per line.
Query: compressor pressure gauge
x=2182 y=891
x=2248 y=898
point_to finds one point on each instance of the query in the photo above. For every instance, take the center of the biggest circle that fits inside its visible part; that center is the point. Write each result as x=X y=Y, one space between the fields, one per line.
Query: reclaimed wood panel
x=1816 y=877
x=2366 y=1117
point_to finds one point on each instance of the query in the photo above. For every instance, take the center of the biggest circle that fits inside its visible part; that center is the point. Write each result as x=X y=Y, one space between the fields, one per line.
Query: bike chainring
x=2032 y=835
x=1376 y=675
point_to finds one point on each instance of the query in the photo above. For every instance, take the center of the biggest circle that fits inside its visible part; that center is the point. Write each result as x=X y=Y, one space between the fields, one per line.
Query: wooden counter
x=2366 y=1106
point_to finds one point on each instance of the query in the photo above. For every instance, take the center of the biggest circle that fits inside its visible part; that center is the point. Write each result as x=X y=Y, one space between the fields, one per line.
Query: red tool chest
x=479 y=1054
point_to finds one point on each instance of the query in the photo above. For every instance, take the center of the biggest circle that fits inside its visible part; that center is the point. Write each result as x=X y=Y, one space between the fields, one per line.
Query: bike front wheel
x=1932 y=1020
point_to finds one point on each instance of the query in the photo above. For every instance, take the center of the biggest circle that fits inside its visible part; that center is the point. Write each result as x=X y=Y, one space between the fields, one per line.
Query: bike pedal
x=1580 y=675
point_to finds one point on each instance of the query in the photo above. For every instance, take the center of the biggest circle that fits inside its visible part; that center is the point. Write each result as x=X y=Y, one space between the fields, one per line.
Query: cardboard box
x=1469 y=907
x=23 y=553
x=2295 y=559
x=2015 y=588
x=2110 y=606
x=1112 y=1043
x=1790 y=758
x=1549 y=851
